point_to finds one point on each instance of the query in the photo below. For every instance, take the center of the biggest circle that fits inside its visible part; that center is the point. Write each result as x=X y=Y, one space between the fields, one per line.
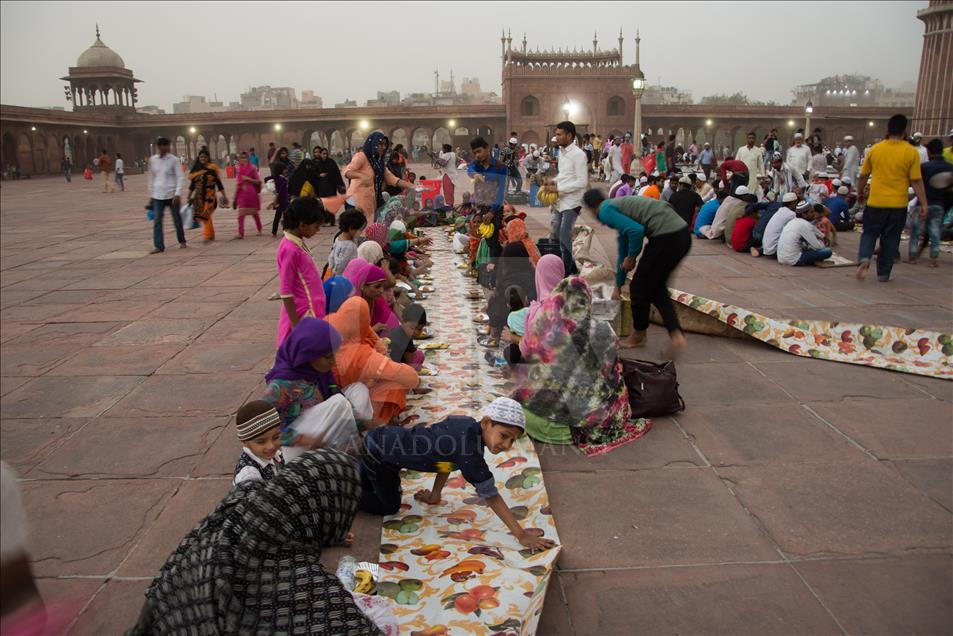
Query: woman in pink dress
x=299 y=282
x=368 y=175
x=247 y=201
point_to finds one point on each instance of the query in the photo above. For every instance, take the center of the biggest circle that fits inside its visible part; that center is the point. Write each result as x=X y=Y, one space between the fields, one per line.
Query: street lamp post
x=808 y=109
x=638 y=88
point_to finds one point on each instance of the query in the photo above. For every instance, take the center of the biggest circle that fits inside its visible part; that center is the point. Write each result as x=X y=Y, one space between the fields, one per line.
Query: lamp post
x=808 y=109
x=638 y=88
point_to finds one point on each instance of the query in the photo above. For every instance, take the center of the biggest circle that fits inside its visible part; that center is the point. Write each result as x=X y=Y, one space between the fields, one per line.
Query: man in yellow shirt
x=892 y=166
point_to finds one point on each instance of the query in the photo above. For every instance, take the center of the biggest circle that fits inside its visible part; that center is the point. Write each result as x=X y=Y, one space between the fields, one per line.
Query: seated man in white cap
x=799 y=243
x=771 y=233
x=733 y=206
x=456 y=442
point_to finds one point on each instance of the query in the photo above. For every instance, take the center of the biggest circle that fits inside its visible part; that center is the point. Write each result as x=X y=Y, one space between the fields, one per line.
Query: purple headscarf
x=309 y=340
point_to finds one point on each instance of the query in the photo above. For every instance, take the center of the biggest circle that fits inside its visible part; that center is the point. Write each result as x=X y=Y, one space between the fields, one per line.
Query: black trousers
x=274 y=224
x=649 y=284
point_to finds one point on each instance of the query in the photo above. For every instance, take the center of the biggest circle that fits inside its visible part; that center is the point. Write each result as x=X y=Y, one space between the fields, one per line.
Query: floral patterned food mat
x=915 y=351
x=453 y=568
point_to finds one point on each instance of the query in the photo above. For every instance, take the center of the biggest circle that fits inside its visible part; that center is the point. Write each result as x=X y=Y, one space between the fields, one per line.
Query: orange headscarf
x=357 y=360
x=516 y=232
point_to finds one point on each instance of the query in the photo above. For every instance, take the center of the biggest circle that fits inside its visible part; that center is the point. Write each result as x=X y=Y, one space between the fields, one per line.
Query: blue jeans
x=810 y=257
x=517 y=180
x=158 y=208
x=563 y=222
x=119 y=182
x=934 y=222
x=885 y=224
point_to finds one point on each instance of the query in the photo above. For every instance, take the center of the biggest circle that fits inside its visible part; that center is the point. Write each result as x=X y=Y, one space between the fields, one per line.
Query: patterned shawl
x=573 y=377
x=253 y=565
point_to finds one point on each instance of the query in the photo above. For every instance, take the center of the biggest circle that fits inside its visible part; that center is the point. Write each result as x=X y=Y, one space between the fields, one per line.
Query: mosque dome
x=99 y=55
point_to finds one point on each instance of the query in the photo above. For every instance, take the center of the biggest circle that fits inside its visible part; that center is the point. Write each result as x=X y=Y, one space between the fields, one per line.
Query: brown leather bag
x=653 y=388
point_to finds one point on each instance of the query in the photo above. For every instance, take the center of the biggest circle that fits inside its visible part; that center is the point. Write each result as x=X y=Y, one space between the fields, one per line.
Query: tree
x=737 y=99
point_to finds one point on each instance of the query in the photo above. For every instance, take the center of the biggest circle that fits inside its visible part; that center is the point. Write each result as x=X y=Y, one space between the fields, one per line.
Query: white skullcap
x=836 y=183
x=803 y=207
x=917 y=135
x=843 y=190
x=788 y=197
x=849 y=138
x=740 y=191
x=514 y=140
x=504 y=410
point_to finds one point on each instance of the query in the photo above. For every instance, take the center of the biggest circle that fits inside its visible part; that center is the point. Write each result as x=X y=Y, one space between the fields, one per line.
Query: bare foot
x=932 y=263
x=862 y=271
x=676 y=346
x=754 y=252
x=631 y=343
x=348 y=540
x=910 y=261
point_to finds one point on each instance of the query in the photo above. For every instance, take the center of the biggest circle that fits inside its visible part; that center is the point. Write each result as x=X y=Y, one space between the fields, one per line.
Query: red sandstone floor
x=793 y=496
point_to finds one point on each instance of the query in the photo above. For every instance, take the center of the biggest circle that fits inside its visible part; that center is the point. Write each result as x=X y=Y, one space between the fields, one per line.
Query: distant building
x=269 y=98
x=851 y=90
x=310 y=100
x=197 y=104
x=389 y=98
x=150 y=110
x=662 y=95
x=347 y=103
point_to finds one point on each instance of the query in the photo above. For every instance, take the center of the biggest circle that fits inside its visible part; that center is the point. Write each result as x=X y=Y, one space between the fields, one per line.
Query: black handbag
x=653 y=388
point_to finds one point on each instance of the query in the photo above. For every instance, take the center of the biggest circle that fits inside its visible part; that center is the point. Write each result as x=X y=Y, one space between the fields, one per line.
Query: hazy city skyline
x=178 y=62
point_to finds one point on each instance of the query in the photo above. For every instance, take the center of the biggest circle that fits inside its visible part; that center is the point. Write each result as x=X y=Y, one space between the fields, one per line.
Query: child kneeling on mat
x=456 y=442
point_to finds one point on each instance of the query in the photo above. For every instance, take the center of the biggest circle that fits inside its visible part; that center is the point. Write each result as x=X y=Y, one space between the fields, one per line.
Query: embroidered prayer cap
x=514 y=140
x=788 y=197
x=802 y=207
x=505 y=410
x=257 y=424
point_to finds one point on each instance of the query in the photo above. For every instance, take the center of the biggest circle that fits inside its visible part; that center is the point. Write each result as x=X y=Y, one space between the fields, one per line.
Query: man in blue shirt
x=840 y=210
x=489 y=178
x=936 y=183
x=456 y=442
x=707 y=213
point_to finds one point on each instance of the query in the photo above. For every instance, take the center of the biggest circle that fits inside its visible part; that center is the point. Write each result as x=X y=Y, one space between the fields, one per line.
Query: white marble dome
x=100 y=55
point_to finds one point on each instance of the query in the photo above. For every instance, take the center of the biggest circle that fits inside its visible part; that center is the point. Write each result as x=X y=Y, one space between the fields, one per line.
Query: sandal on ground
x=488 y=342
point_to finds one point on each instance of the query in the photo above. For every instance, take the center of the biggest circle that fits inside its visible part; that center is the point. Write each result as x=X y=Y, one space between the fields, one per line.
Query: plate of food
x=433 y=346
x=427 y=289
x=481 y=318
x=425 y=333
x=428 y=370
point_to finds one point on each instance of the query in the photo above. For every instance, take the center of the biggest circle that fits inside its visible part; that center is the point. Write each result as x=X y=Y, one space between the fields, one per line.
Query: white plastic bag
x=187 y=216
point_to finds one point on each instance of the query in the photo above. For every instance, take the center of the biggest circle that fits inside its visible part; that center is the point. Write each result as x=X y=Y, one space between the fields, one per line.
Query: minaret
x=97 y=30
x=452 y=85
x=637 y=41
x=524 y=43
x=509 y=44
x=503 y=45
x=436 y=81
x=620 y=46
x=595 y=42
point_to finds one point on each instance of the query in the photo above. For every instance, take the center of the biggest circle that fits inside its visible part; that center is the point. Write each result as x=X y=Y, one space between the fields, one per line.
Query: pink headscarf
x=351 y=271
x=549 y=271
x=380 y=311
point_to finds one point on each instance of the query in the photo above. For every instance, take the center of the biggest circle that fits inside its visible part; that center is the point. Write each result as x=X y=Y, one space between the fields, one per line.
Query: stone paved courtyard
x=793 y=496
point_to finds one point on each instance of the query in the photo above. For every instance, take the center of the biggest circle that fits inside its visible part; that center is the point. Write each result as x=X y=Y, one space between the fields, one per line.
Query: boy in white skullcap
x=455 y=443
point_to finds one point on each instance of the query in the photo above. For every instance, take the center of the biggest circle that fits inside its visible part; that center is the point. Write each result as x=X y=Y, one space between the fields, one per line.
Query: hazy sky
x=353 y=49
